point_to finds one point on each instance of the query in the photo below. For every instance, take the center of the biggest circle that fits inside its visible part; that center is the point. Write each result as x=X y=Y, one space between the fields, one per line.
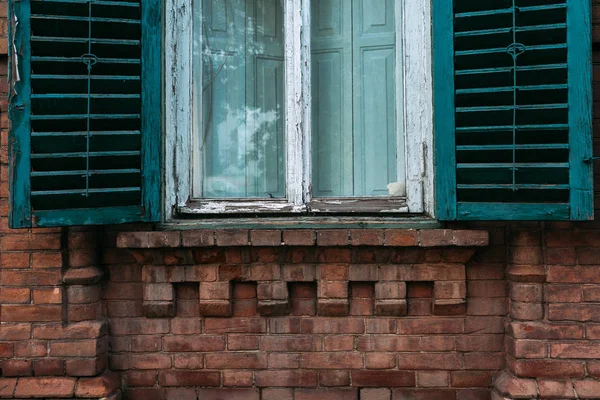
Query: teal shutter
x=513 y=109
x=85 y=106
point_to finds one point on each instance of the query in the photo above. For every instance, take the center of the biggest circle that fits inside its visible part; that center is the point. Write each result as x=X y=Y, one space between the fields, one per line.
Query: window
x=126 y=111
x=300 y=106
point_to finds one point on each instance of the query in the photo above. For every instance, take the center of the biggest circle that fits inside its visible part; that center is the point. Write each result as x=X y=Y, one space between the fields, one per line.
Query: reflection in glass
x=239 y=69
x=355 y=150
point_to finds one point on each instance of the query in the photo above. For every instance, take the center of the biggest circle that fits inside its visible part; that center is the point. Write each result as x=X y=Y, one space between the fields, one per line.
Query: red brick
x=150 y=361
x=587 y=389
x=231 y=237
x=290 y=343
x=436 y=237
x=195 y=343
x=333 y=378
x=30 y=348
x=267 y=272
x=329 y=394
x=480 y=343
x=477 y=361
x=181 y=394
x=201 y=273
x=188 y=378
x=338 y=343
x=78 y=348
x=332 y=237
x=591 y=293
x=100 y=386
x=584 y=349
x=29 y=313
x=15 y=331
x=560 y=256
x=237 y=378
x=432 y=378
x=31 y=278
x=332 y=272
x=277 y=394
x=573 y=274
x=185 y=326
x=86 y=366
x=461 y=379
x=188 y=361
x=235 y=325
x=388 y=343
x=471 y=237
x=284 y=361
x=332 y=361
x=46 y=260
x=437 y=343
x=574 y=312
x=430 y=325
x=236 y=360
x=539 y=330
x=14 y=367
x=48 y=367
x=527 y=348
x=140 y=326
x=401 y=237
x=45 y=387
x=383 y=378
x=299 y=237
x=332 y=325
x=141 y=378
x=419 y=290
x=563 y=293
x=7 y=387
x=146 y=394
x=526 y=273
x=430 y=361
x=375 y=394
x=15 y=260
x=289 y=378
x=556 y=389
x=366 y=237
x=525 y=292
x=6 y=350
x=380 y=360
x=30 y=242
x=14 y=295
x=200 y=238
x=548 y=368
x=381 y=325
x=481 y=306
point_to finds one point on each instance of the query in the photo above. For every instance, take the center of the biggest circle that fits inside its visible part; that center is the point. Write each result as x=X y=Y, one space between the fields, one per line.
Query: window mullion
x=297 y=98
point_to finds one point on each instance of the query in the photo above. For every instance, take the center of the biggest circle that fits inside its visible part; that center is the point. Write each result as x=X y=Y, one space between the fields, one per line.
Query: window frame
x=415 y=122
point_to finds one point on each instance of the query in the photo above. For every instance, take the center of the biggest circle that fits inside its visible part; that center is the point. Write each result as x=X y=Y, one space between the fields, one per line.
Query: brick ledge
x=304 y=237
x=105 y=387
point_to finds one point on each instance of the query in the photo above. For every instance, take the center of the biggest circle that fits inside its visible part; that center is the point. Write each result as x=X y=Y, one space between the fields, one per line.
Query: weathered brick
x=188 y=378
x=286 y=378
x=383 y=378
x=45 y=387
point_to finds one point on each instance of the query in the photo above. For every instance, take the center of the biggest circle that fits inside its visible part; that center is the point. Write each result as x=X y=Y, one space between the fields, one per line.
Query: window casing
x=413 y=99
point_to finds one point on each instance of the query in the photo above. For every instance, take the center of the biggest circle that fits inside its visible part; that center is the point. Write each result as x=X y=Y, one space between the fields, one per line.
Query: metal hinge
x=591 y=159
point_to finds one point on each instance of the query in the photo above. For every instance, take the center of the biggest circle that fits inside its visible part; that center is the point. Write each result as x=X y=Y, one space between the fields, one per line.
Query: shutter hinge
x=591 y=159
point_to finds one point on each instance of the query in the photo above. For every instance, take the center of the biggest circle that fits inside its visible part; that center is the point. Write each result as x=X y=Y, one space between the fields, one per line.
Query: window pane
x=355 y=139
x=239 y=69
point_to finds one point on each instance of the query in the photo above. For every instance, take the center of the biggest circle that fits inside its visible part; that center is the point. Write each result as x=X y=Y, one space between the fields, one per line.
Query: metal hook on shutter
x=591 y=159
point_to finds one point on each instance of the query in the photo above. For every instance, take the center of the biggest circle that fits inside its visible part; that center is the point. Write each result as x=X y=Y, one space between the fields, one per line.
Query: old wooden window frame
x=415 y=121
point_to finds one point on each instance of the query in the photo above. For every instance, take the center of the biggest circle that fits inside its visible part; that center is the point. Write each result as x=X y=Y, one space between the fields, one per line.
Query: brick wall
x=249 y=315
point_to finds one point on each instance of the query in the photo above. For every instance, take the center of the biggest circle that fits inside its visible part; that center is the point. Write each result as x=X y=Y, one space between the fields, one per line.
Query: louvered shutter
x=513 y=109
x=85 y=109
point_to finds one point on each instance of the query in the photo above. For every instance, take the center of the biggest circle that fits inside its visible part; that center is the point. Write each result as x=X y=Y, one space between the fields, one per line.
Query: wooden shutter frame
x=21 y=213
x=581 y=204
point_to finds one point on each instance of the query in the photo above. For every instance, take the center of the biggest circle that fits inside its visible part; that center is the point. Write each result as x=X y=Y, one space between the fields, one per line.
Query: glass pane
x=239 y=69
x=355 y=140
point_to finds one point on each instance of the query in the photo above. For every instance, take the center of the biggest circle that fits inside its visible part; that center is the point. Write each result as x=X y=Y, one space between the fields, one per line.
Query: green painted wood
x=505 y=151
x=443 y=108
x=579 y=39
x=151 y=109
x=19 y=214
x=374 y=88
x=88 y=216
x=56 y=179
x=512 y=212
x=332 y=98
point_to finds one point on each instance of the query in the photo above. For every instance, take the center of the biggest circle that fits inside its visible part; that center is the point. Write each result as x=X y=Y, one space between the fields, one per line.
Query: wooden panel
x=332 y=98
x=374 y=80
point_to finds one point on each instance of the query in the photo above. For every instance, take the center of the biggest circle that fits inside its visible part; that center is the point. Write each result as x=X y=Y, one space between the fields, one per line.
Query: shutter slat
x=512 y=124
x=87 y=126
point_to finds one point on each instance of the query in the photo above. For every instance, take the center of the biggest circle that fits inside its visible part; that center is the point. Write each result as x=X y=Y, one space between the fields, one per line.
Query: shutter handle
x=591 y=159
x=19 y=106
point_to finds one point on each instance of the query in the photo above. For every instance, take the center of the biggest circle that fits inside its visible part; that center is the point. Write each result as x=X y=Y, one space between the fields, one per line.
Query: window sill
x=302 y=236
